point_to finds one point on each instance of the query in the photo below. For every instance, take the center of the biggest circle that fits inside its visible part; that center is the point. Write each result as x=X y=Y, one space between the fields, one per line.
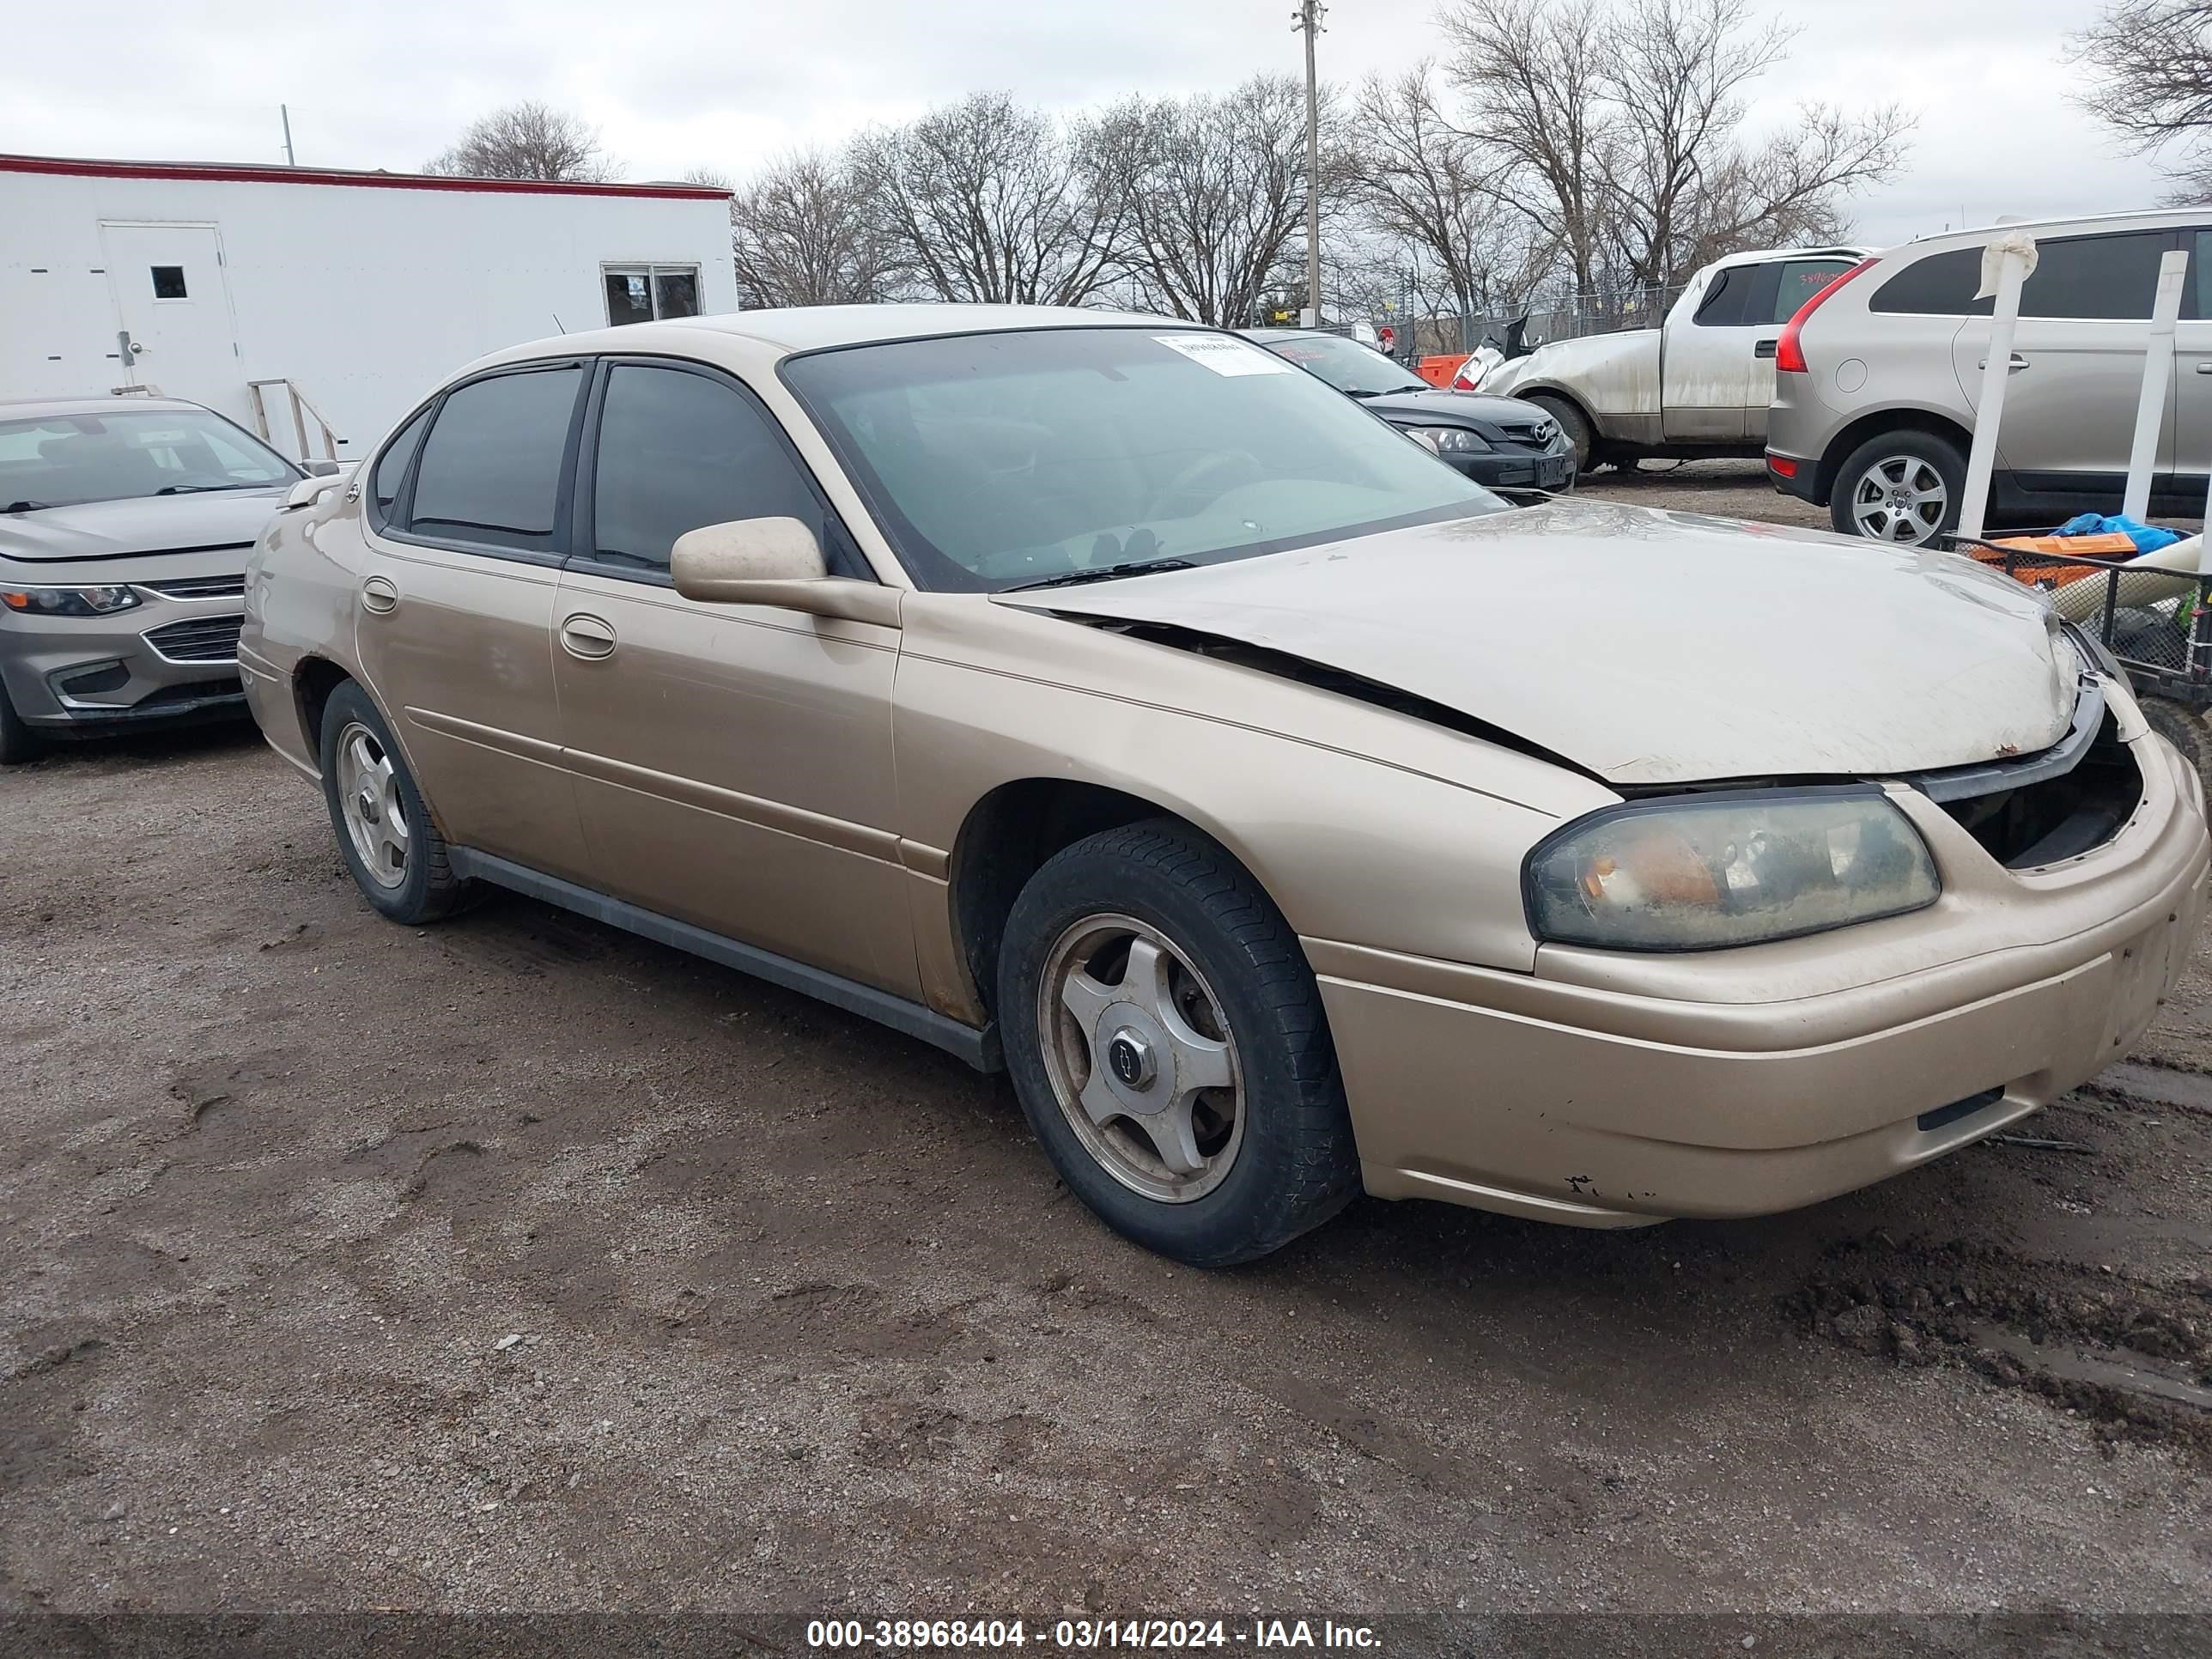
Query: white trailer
x=316 y=305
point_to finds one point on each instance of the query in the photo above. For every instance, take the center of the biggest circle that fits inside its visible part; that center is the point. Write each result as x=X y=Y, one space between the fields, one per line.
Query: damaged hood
x=1651 y=647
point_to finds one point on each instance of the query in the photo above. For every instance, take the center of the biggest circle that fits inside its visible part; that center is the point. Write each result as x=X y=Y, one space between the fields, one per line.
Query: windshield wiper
x=26 y=506
x=1105 y=573
x=195 y=490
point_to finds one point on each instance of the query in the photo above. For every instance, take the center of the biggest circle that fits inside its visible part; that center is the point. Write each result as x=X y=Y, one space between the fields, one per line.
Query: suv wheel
x=394 y=851
x=1167 y=1041
x=1902 y=486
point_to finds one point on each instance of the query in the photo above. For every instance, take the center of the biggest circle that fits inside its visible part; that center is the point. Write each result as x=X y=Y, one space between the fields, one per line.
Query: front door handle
x=2204 y=366
x=2012 y=367
x=380 y=594
x=587 y=637
x=1762 y=348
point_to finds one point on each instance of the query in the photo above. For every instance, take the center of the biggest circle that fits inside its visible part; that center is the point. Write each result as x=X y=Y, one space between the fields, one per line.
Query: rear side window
x=391 y=468
x=1801 y=280
x=490 y=469
x=1723 y=304
x=677 y=450
x=2099 y=277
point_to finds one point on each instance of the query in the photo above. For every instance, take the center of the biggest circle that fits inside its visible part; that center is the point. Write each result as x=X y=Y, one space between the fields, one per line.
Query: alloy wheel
x=368 y=796
x=1142 y=1063
x=1900 y=498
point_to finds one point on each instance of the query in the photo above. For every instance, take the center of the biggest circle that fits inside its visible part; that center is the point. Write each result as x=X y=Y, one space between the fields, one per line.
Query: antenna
x=284 y=113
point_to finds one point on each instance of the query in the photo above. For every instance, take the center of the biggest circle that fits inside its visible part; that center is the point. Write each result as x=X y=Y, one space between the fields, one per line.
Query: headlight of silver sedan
x=67 y=601
x=1704 y=872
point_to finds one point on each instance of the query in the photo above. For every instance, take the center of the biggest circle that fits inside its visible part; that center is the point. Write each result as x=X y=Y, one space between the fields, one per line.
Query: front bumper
x=83 y=676
x=1517 y=469
x=1612 y=1090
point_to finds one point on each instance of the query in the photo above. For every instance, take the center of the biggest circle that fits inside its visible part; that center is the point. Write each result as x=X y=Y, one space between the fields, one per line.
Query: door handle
x=587 y=637
x=2204 y=366
x=380 y=594
x=1762 y=348
x=2012 y=367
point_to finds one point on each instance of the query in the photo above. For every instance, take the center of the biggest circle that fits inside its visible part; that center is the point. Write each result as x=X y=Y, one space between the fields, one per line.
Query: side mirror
x=303 y=493
x=322 y=469
x=772 y=561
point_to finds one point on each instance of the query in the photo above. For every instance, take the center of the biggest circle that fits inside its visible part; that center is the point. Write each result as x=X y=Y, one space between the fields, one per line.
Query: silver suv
x=1874 y=411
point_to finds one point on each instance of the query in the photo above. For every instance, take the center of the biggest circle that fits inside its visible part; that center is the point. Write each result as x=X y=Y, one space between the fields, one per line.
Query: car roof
x=2147 y=217
x=26 y=408
x=1760 y=256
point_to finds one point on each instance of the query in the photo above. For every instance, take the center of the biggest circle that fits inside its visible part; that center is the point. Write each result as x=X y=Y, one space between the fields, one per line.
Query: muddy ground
x=516 y=1263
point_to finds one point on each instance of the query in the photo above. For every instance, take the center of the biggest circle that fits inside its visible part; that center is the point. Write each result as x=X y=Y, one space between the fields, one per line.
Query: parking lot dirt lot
x=517 y=1263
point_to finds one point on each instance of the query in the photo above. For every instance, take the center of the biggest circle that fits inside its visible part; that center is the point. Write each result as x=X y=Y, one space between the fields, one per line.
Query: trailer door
x=172 y=294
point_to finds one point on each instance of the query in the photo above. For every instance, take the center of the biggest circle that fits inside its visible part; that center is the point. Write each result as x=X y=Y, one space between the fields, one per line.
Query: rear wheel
x=393 y=850
x=1580 y=439
x=1903 y=487
x=18 y=743
x=1167 y=1040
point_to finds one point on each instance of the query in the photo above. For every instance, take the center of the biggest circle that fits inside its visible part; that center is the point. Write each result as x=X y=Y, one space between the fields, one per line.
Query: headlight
x=1450 y=439
x=1701 y=873
x=67 y=601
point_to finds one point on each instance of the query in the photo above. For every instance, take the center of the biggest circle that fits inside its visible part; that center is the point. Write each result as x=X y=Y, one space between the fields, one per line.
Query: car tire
x=2183 y=727
x=1206 y=979
x=1909 y=460
x=384 y=832
x=1580 y=439
x=18 y=743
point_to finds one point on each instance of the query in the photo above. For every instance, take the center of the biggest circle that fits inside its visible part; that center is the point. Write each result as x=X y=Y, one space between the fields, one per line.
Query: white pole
x=2157 y=379
x=1989 y=408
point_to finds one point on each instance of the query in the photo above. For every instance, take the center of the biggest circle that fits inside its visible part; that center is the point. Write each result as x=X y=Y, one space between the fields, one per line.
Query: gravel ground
x=516 y=1263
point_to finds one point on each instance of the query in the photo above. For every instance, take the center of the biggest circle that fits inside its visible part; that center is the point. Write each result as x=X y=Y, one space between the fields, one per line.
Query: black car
x=1494 y=440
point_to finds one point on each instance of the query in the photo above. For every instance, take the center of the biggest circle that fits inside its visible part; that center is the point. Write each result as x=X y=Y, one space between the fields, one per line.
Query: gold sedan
x=1102 y=698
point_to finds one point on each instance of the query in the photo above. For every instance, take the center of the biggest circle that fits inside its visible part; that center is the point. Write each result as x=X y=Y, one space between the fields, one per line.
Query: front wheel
x=1580 y=439
x=1905 y=488
x=1168 y=1044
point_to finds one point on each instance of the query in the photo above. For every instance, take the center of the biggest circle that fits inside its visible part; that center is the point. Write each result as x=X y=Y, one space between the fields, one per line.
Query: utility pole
x=1306 y=20
x=285 y=113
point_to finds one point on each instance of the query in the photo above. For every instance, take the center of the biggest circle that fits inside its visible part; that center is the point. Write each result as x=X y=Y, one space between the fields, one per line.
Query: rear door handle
x=1762 y=348
x=2012 y=367
x=380 y=594
x=587 y=637
x=2203 y=368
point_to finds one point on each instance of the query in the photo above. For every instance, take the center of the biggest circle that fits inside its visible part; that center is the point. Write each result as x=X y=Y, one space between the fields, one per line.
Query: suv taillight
x=1789 y=354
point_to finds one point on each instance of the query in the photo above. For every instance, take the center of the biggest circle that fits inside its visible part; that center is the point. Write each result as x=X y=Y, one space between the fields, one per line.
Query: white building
x=239 y=286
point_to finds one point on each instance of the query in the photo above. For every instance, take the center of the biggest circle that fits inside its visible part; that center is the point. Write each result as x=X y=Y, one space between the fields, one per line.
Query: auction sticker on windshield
x=1225 y=355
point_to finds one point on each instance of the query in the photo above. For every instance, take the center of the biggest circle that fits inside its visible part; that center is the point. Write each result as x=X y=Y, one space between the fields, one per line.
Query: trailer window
x=169 y=283
x=640 y=294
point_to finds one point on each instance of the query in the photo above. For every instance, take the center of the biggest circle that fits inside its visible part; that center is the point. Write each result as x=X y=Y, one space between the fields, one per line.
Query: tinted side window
x=1723 y=305
x=678 y=450
x=2105 y=276
x=1941 y=285
x=2113 y=277
x=490 y=469
x=1801 y=280
x=391 y=467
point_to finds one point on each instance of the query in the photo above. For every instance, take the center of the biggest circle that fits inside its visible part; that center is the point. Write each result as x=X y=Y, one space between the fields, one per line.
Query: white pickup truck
x=1699 y=383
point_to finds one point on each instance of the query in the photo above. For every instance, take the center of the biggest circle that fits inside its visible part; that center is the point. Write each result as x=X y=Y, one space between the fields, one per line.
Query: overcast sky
x=674 y=84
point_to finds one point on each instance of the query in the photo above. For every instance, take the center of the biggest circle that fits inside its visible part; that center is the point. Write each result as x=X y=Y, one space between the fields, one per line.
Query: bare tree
x=1214 y=191
x=1617 y=126
x=529 y=140
x=1682 y=187
x=806 y=233
x=987 y=200
x=2151 y=64
x=1428 y=193
x=1534 y=70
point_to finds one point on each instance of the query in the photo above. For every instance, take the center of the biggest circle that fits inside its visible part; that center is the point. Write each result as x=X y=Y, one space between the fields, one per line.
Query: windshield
x=993 y=460
x=1345 y=364
x=64 y=460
